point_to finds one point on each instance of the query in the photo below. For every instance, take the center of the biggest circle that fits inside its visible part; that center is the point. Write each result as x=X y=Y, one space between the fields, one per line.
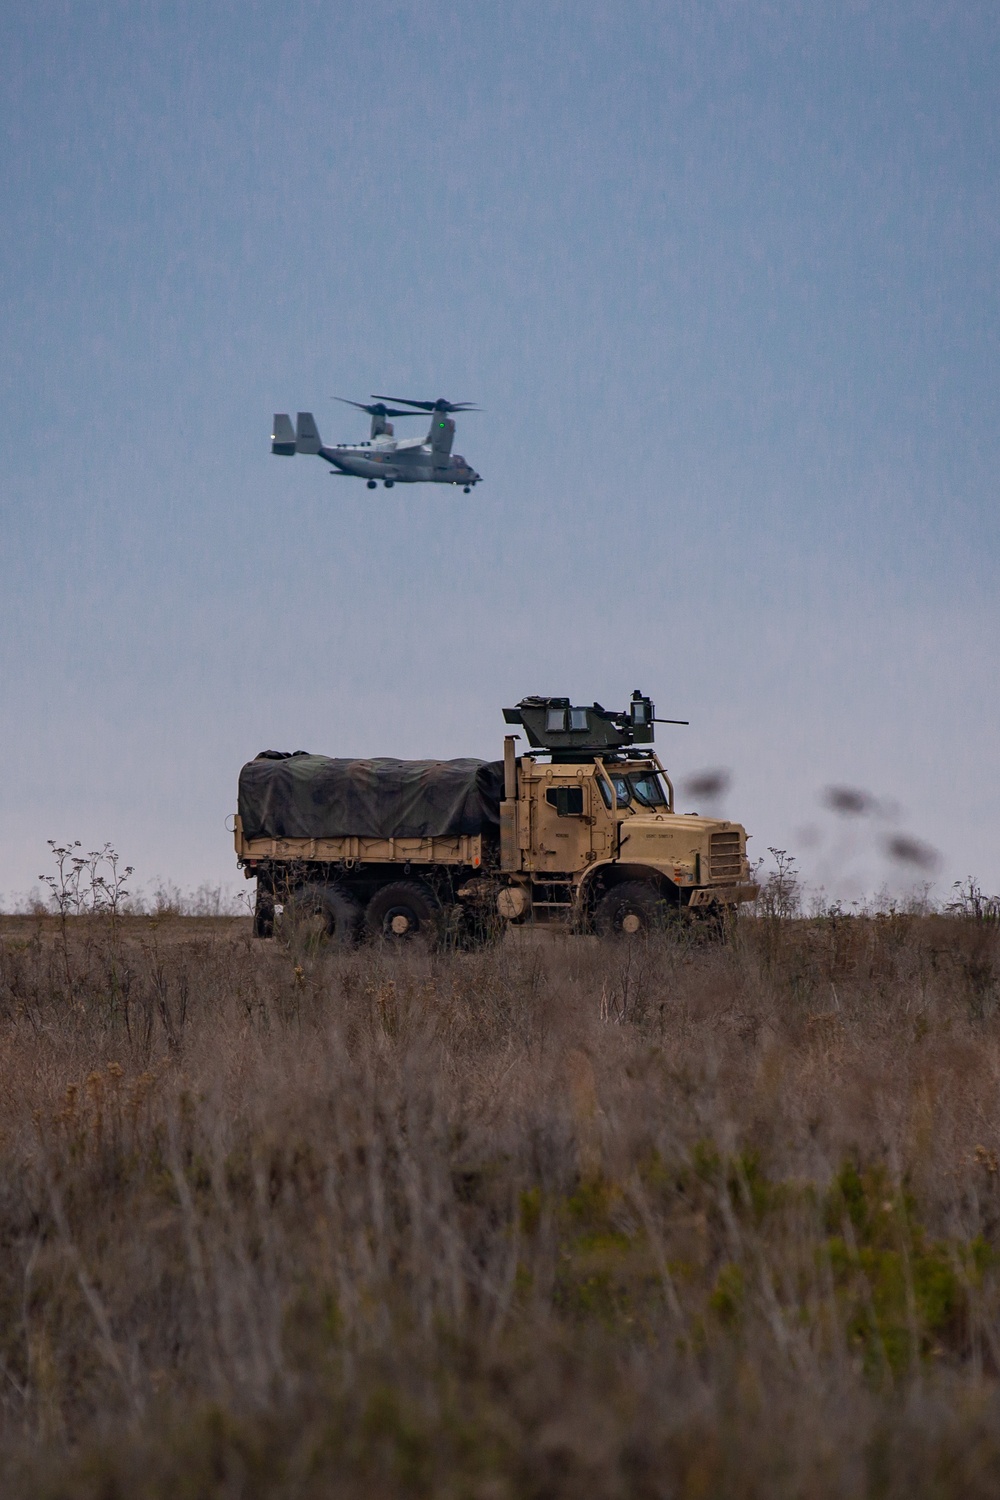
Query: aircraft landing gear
x=468 y=489
x=371 y=484
x=388 y=483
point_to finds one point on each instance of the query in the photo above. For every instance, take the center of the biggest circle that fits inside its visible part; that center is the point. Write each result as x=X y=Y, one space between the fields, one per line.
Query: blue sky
x=723 y=278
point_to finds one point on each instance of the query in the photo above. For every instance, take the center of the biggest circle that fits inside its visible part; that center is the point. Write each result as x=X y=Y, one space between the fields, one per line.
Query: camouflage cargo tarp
x=312 y=797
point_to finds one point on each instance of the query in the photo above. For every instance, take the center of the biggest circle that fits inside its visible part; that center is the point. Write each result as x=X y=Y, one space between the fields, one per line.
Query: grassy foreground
x=551 y=1219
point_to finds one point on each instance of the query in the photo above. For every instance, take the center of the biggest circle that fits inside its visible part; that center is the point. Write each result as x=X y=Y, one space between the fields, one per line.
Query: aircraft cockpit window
x=648 y=790
x=623 y=792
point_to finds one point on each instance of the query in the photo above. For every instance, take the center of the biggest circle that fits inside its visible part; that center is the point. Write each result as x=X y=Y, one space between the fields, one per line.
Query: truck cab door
x=561 y=825
x=604 y=822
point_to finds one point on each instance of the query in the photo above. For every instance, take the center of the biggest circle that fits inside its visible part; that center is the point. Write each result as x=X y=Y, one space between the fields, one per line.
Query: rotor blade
x=423 y=405
x=376 y=411
x=440 y=405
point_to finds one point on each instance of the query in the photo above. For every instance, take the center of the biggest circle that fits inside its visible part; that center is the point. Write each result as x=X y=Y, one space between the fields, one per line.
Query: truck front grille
x=725 y=860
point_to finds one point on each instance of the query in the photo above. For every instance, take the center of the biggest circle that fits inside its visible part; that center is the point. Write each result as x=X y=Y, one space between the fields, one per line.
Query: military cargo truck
x=579 y=830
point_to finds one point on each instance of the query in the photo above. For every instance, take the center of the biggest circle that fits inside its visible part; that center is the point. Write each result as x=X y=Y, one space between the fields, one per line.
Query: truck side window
x=623 y=792
x=567 y=800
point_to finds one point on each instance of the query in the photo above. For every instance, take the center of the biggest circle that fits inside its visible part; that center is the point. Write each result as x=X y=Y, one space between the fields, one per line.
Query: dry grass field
x=549 y=1219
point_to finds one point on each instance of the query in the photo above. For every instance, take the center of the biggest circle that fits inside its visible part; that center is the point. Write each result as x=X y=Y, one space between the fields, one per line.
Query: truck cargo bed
x=454 y=849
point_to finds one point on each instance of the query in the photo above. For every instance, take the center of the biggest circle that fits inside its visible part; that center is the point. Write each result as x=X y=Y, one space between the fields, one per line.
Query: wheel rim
x=400 y=922
x=631 y=923
x=309 y=929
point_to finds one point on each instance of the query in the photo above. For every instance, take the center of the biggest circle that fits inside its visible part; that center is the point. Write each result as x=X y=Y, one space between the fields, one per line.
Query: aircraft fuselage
x=401 y=463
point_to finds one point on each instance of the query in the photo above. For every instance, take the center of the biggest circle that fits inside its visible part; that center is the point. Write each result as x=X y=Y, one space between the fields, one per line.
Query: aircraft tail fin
x=283 y=435
x=306 y=433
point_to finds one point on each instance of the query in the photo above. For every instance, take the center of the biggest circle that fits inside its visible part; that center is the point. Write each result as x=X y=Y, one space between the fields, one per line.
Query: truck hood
x=645 y=823
x=685 y=848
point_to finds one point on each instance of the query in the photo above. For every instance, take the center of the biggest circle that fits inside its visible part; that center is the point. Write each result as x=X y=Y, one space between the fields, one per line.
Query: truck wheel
x=263 y=914
x=708 y=924
x=319 y=914
x=632 y=909
x=403 y=910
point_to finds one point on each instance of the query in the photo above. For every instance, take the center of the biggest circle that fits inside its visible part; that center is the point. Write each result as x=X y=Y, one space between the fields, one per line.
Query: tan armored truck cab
x=580 y=830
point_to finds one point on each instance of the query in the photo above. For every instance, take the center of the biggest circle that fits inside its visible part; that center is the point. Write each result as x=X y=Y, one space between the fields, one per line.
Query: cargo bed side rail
x=461 y=849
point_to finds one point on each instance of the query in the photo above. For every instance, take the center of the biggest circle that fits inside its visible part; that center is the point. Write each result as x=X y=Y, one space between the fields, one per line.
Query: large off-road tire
x=708 y=925
x=481 y=924
x=315 y=915
x=402 y=911
x=263 y=914
x=633 y=909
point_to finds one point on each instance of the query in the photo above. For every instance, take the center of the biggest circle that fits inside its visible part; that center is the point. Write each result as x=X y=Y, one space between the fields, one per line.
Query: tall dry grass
x=551 y=1219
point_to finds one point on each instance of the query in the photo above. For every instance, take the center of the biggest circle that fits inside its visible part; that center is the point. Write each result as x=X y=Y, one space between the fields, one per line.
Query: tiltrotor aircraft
x=394 y=461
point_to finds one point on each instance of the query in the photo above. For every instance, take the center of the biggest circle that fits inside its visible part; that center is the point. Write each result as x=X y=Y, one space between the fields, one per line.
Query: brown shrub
x=548 y=1219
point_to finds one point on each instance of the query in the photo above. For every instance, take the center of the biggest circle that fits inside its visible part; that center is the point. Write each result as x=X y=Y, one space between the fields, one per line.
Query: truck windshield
x=648 y=790
x=642 y=787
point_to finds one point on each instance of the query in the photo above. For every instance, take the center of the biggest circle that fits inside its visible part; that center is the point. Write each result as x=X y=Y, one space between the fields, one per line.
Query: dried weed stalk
x=283 y=1223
